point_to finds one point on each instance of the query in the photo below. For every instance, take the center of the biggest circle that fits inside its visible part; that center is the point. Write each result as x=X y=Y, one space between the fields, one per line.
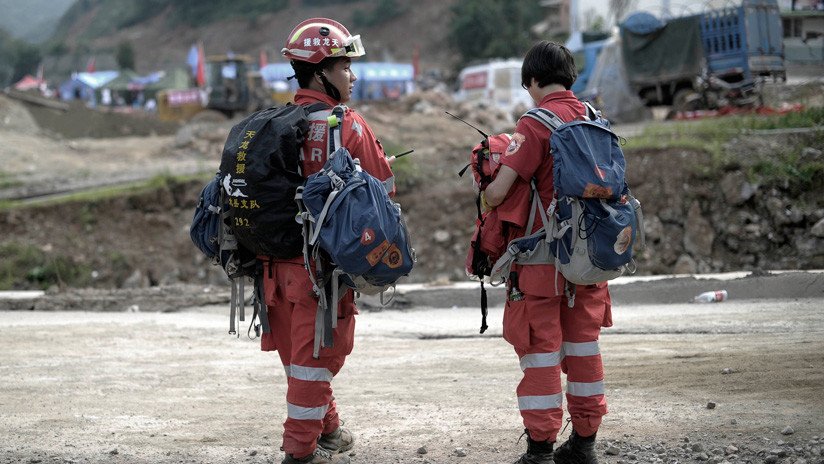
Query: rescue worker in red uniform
x=549 y=337
x=321 y=52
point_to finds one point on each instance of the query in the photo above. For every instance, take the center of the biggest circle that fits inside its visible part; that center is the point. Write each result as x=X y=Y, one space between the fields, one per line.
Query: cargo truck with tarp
x=715 y=58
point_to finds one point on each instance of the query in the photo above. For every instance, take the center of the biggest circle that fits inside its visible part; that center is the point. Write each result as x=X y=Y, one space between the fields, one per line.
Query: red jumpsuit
x=292 y=303
x=548 y=336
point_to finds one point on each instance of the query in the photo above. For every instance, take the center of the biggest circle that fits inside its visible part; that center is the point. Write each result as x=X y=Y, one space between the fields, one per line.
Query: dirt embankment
x=697 y=219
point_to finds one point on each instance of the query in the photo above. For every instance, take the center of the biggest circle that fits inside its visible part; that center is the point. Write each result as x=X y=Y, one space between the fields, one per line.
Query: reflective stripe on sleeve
x=581 y=349
x=357 y=128
x=540 y=360
x=301 y=413
x=311 y=374
x=540 y=402
x=288 y=369
x=585 y=388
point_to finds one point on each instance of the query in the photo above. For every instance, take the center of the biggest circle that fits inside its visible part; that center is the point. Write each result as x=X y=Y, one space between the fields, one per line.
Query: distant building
x=556 y=19
x=804 y=32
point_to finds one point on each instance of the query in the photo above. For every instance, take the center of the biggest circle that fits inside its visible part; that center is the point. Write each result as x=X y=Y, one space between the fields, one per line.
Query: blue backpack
x=592 y=224
x=352 y=230
x=205 y=228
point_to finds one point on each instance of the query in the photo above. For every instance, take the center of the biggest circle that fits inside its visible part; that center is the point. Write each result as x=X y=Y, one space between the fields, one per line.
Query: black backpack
x=249 y=208
x=260 y=170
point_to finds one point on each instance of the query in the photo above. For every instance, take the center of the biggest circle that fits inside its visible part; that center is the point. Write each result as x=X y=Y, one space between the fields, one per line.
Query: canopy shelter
x=28 y=82
x=86 y=85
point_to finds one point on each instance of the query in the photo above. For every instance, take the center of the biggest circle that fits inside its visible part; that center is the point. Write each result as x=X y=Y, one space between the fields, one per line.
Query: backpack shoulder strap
x=549 y=119
x=592 y=113
x=335 y=123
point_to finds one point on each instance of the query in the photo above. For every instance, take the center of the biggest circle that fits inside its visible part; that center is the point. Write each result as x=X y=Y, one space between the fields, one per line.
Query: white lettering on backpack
x=316 y=154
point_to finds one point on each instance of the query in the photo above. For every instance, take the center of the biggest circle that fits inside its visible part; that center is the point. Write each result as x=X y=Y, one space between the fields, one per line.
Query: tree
x=484 y=29
x=619 y=8
x=593 y=22
x=125 y=55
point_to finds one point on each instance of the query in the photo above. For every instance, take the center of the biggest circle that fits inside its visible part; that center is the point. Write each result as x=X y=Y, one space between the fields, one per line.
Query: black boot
x=577 y=450
x=537 y=452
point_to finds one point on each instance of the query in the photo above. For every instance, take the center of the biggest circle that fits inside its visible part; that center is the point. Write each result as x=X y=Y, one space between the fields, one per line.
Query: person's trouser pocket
x=516 y=324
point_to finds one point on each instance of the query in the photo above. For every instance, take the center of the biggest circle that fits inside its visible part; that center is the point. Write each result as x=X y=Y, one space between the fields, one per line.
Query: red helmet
x=319 y=38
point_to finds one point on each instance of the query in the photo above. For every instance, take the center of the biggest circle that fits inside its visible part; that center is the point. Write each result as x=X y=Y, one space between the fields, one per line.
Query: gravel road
x=738 y=381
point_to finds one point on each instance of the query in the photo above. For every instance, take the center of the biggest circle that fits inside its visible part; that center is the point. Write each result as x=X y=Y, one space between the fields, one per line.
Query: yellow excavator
x=233 y=86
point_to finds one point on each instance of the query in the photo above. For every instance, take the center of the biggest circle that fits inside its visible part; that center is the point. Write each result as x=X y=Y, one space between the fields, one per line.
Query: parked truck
x=707 y=60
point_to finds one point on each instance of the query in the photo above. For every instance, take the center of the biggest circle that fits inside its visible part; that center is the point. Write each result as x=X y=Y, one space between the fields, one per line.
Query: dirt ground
x=154 y=387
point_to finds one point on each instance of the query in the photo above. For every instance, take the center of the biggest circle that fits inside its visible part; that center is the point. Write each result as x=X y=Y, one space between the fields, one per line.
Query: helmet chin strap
x=331 y=90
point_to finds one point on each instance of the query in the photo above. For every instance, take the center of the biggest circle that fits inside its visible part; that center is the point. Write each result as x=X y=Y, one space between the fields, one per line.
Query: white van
x=497 y=82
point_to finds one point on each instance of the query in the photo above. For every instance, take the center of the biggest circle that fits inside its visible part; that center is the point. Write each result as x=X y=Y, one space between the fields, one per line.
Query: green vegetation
x=407 y=173
x=113 y=15
x=17 y=58
x=719 y=137
x=125 y=55
x=28 y=267
x=104 y=193
x=484 y=29
x=384 y=10
x=7 y=181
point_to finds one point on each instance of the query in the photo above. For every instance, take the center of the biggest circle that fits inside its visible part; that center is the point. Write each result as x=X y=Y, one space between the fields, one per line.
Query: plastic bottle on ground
x=711 y=297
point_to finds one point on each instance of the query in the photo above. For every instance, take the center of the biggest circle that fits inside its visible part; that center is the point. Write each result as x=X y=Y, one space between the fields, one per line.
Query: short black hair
x=549 y=63
x=305 y=71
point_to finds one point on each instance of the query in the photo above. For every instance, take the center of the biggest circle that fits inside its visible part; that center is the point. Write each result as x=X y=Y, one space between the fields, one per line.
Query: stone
x=442 y=236
x=711 y=405
x=613 y=451
x=818 y=229
x=787 y=431
x=685 y=265
x=811 y=153
x=460 y=452
x=736 y=189
x=653 y=228
x=698 y=233
x=136 y=280
x=422 y=450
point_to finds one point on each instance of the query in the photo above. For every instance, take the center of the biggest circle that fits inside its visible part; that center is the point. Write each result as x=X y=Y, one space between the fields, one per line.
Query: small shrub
x=28 y=267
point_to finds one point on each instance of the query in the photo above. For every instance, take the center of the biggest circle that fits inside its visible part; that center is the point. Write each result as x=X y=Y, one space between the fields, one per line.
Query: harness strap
x=241 y=299
x=545 y=117
x=484 y=306
x=233 y=309
x=261 y=311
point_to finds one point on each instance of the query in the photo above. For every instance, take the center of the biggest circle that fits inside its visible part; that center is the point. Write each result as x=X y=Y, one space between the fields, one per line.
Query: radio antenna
x=470 y=125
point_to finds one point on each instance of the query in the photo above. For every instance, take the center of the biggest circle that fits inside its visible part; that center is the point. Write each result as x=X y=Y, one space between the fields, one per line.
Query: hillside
x=31 y=20
x=163 y=36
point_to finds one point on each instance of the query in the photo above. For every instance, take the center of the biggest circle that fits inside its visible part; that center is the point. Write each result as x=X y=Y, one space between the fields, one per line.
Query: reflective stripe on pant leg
x=540 y=398
x=581 y=359
x=310 y=404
